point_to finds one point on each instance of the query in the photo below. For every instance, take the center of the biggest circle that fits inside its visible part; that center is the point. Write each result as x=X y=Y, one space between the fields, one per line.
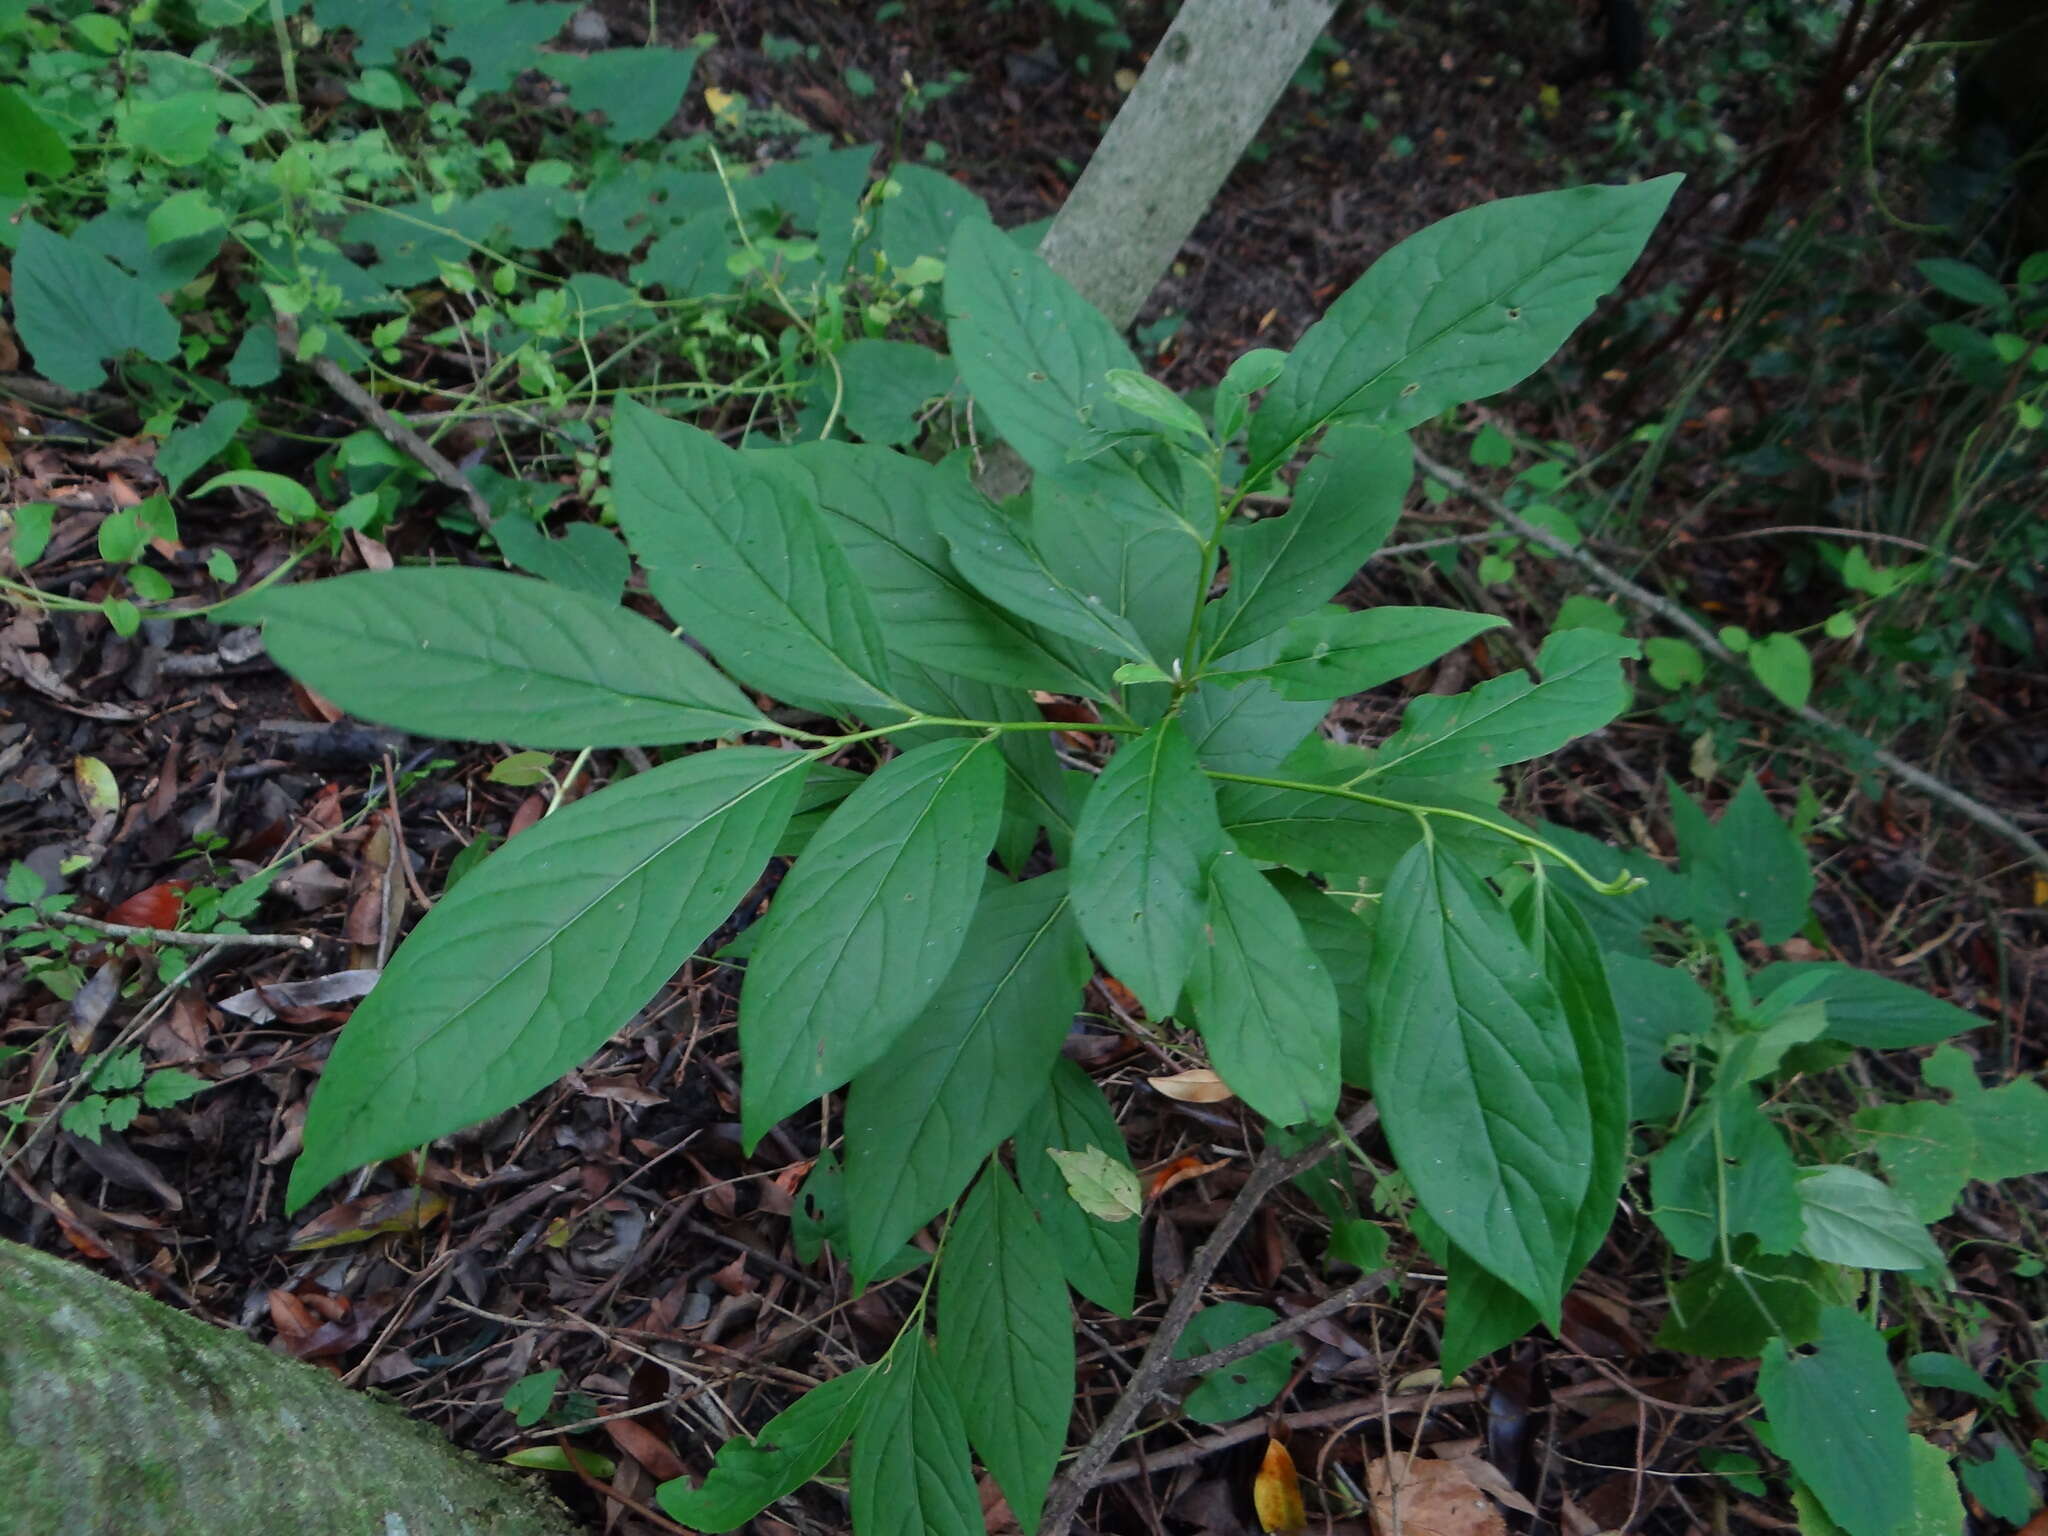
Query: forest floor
x=611 y=1227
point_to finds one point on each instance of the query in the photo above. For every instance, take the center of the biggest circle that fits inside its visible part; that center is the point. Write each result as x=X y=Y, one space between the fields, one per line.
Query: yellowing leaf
x=96 y=786
x=549 y=1458
x=1276 y=1493
x=724 y=105
x=1197 y=1087
x=357 y=1221
x=1100 y=1185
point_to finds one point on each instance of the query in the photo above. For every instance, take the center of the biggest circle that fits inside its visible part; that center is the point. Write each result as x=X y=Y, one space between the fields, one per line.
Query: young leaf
x=911 y=1475
x=474 y=655
x=1252 y=372
x=544 y=949
x=1854 y=1219
x=994 y=551
x=1461 y=310
x=1727 y=1171
x=1232 y=1391
x=1006 y=1340
x=1124 y=550
x=1510 y=719
x=74 y=309
x=887 y=511
x=1147 y=832
x=951 y=1091
x=790 y=1450
x=1747 y=868
x=1782 y=665
x=1099 y=1258
x=745 y=564
x=866 y=927
x=1331 y=654
x=1345 y=504
x=1865 y=1008
x=1035 y=355
x=1838 y=1416
x=1147 y=397
x=1477 y=1076
x=1262 y=999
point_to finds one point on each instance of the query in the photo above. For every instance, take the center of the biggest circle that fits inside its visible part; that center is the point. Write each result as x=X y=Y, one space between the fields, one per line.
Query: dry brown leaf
x=1430 y=1498
x=1199 y=1086
x=1179 y=1171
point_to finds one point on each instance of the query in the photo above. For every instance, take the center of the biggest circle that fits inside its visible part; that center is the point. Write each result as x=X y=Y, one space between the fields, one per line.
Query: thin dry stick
x=1707 y=641
x=1286 y=1328
x=182 y=939
x=396 y=432
x=1157 y=1367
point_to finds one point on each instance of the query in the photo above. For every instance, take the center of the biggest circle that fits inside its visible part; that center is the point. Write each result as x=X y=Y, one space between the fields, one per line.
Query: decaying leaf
x=1200 y=1086
x=359 y=1220
x=1100 y=1185
x=1430 y=1498
x=1276 y=1493
x=96 y=786
x=1179 y=1171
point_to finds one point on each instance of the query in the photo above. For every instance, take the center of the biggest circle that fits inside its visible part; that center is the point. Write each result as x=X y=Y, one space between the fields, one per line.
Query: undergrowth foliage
x=1324 y=915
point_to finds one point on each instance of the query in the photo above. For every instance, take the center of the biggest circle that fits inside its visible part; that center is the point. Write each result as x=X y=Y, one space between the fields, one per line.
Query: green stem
x=831 y=744
x=1620 y=885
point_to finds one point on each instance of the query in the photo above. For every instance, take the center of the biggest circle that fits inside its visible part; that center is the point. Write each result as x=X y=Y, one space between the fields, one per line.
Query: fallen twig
x=1710 y=643
x=1157 y=1367
x=396 y=432
x=182 y=939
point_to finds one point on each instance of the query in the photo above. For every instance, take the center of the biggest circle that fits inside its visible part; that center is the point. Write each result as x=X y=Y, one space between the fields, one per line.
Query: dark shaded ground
x=611 y=1227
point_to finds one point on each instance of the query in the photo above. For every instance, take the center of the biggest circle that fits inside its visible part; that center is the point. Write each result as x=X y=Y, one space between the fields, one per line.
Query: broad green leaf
x=1748 y=867
x=1655 y=1004
x=1675 y=665
x=1345 y=503
x=888 y=384
x=1252 y=372
x=1933 y=1368
x=1149 y=398
x=1729 y=1312
x=952 y=1088
x=1838 y=1416
x=818 y=1216
x=500 y=42
x=1361 y=1244
x=1729 y=1171
x=1852 y=1218
x=1464 y=309
x=1112 y=540
x=28 y=145
x=1331 y=654
x=1099 y=1258
x=745 y=564
x=189 y=449
x=529 y=1398
x=1510 y=719
x=1477 y=1076
x=2009 y=1122
x=1966 y=283
x=789 y=1451
x=457 y=653
x=1147 y=832
x=1006 y=1340
x=1264 y=1003
x=910 y=1472
x=1927 y=1150
x=1342 y=941
x=864 y=930
x=1937 y=1503
x=1865 y=1008
x=1782 y=665
x=637 y=89
x=2001 y=1485
x=889 y=512
x=1249 y=1384
x=1617 y=921
x=1564 y=945
x=73 y=309
x=1034 y=354
x=545 y=949
x=1482 y=1313
x=993 y=549
x=586 y=558
x=1246 y=729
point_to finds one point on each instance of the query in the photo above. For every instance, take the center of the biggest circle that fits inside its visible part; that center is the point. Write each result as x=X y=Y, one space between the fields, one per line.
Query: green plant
x=1320 y=913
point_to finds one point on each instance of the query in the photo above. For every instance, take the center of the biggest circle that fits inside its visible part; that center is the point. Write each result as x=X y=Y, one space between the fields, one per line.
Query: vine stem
x=1157 y=1367
x=1919 y=778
